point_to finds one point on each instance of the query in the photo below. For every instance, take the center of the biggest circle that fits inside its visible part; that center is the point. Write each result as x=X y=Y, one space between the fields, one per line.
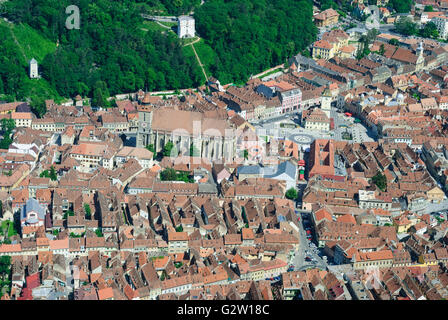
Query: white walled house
x=142 y=155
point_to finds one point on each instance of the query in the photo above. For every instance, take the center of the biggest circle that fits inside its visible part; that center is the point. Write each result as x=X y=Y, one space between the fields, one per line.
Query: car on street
x=308 y=231
x=307 y=258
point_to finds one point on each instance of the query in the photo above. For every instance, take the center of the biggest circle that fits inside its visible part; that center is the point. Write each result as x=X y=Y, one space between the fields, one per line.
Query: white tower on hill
x=34 y=69
x=186 y=27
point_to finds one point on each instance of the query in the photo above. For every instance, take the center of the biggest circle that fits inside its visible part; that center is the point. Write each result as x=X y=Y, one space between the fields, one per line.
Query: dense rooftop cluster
x=194 y=196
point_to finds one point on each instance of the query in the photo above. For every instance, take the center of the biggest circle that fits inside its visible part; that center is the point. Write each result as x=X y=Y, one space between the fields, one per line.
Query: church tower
x=420 y=63
x=144 y=121
x=326 y=102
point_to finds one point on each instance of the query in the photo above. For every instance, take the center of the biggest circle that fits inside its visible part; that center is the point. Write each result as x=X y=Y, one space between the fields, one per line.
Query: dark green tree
x=291 y=194
x=406 y=26
x=44 y=174
x=394 y=42
x=98 y=233
x=88 y=211
x=401 y=6
x=8 y=125
x=169 y=150
x=5 y=264
x=429 y=31
x=380 y=181
x=53 y=176
x=169 y=174
x=151 y=148
x=38 y=106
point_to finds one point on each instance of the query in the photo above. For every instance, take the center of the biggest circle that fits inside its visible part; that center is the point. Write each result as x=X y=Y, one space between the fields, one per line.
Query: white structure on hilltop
x=186 y=27
x=34 y=69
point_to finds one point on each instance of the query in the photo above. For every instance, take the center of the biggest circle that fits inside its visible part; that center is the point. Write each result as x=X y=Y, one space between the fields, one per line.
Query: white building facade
x=442 y=26
x=186 y=27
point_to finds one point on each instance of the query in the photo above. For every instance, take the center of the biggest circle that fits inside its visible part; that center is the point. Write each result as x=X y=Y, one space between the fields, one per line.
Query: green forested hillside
x=114 y=51
x=169 y=7
x=252 y=35
x=109 y=54
x=18 y=44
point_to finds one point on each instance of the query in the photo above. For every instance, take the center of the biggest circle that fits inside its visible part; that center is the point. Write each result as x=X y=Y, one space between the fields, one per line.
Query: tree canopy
x=291 y=194
x=5 y=264
x=401 y=6
x=169 y=174
x=252 y=35
x=380 y=180
x=88 y=211
x=112 y=51
x=365 y=41
x=169 y=150
x=7 y=126
x=429 y=31
x=406 y=26
x=109 y=54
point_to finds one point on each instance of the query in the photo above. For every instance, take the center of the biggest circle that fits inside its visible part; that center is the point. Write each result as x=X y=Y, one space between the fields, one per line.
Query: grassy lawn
x=125 y=221
x=188 y=52
x=11 y=230
x=169 y=24
x=187 y=41
x=206 y=54
x=154 y=26
x=32 y=43
x=269 y=73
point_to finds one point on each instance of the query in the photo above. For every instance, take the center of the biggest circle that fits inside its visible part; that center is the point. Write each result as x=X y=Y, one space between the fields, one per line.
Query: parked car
x=307 y=259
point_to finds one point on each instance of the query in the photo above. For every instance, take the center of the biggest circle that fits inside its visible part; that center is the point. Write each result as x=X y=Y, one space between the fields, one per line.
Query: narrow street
x=306 y=248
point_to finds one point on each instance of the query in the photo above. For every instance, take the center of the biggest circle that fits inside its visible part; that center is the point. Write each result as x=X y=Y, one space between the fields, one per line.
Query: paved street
x=306 y=248
x=343 y=123
x=305 y=137
x=302 y=138
x=434 y=207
